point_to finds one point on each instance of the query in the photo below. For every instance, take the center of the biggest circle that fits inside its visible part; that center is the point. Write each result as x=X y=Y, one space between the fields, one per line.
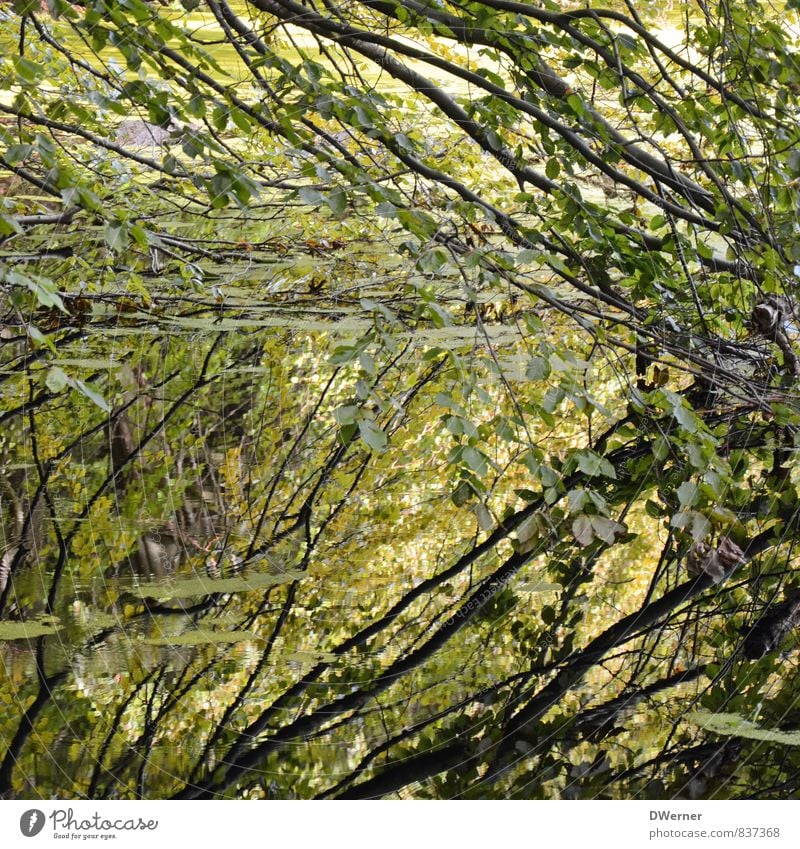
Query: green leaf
x=732 y=725
x=27 y=7
x=627 y=42
x=462 y=493
x=56 y=379
x=687 y=493
x=576 y=500
x=95 y=397
x=312 y=197
x=347 y=433
x=476 y=460
x=116 y=236
x=538 y=368
x=16 y=153
x=367 y=362
x=337 y=201
x=653 y=509
x=530 y=529
x=683 y=415
x=582 y=530
x=346 y=414
x=343 y=354
x=8 y=225
x=45 y=291
x=374 y=437
x=577 y=104
x=433 y=260
x=241 y=120
x=594 y=465
x=39 y=337
x=26 y=70
x=694 y=523
x=484 y=517
x=386 y=210
x=607 y=530
x=660 y=448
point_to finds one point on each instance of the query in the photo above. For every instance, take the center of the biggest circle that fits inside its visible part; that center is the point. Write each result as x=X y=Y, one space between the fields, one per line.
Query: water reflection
x=209 y=558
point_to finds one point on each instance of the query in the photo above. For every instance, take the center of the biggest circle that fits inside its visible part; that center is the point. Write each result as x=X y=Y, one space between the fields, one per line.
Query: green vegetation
x=399 y=399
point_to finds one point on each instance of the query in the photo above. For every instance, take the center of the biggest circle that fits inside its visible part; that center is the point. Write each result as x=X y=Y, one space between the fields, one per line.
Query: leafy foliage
x=388 y=378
